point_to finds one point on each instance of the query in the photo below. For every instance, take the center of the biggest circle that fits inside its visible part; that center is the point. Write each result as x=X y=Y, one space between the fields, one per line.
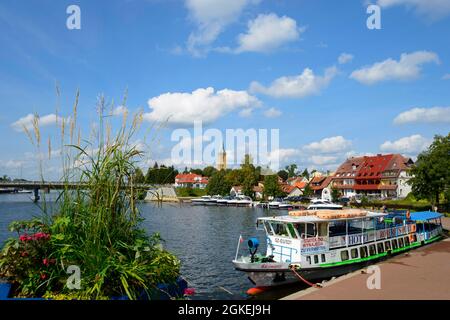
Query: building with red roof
x=191 y=180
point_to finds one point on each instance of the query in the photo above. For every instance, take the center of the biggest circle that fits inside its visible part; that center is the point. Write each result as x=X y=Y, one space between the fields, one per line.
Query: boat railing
x=369 y=236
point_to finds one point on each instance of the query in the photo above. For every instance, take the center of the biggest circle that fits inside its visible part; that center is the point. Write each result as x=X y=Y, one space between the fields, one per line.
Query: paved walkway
x=422 y=273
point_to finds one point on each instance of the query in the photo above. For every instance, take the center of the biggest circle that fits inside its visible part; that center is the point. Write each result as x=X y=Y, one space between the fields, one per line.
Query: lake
x=204 y=238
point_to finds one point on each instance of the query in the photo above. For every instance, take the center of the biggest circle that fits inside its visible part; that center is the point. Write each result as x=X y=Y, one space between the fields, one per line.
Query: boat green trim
x=325 y=265
x=433 y=239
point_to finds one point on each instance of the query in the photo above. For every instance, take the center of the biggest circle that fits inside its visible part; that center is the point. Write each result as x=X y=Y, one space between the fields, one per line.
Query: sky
x=311 y=69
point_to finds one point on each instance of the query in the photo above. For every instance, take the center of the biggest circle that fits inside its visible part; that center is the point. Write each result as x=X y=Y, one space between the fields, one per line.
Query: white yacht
x=275 y=203
x=322 y=204
x=202 y=200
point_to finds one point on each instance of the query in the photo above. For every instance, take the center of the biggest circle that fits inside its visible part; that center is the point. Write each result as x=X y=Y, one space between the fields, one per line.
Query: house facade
x=190 y=180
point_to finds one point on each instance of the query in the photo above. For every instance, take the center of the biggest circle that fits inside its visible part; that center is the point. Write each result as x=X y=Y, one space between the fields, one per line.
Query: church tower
x=222 y=159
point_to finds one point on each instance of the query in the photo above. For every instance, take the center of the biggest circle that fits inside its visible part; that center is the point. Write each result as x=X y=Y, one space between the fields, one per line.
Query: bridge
x=35 y=186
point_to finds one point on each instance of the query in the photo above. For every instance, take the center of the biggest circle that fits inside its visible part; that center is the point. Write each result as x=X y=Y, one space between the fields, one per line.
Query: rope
x=292 y=267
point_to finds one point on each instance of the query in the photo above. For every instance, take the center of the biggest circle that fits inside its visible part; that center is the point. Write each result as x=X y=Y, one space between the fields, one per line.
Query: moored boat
x=320 y=244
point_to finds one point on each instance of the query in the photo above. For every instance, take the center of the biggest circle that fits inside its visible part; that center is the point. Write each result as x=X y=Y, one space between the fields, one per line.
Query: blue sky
x=270 y=64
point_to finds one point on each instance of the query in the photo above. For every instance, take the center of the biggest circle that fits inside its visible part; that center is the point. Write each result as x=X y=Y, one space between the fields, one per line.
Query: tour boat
x=313 y=245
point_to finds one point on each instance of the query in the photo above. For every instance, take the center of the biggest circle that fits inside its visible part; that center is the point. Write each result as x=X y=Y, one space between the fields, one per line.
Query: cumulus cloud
x=345 y=58
x=407 y=68
x=431 y=9
x=329 y=145
x=272 y=113
x=43 y=121
x=268 y=32
x=424 y=115
x=323 y=160
x=211 y=18
x=412 y=144
x=302 y=85
x=204 y=104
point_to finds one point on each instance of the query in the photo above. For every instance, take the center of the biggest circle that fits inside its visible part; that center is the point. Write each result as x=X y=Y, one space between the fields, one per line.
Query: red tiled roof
x=288 y=188
x=300 y=185
x=326 y=181
x=372 y=167
x=190 y=178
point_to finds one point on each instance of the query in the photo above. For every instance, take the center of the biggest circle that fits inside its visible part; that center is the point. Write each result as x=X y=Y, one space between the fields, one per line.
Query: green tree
x=197 y=171
x=305 y=174
x=431 y=173
x=283 y=174
x=218 y=184
x=291 y=170
x=335 y=194
x=271 y=186
x=139 y=176
x=308 y=191
x=209 y=171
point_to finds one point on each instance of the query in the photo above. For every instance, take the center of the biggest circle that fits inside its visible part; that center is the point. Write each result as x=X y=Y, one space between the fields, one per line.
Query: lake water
x=204 y=238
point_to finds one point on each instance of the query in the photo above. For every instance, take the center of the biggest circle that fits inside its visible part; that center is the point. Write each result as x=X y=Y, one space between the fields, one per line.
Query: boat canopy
x=425 y=215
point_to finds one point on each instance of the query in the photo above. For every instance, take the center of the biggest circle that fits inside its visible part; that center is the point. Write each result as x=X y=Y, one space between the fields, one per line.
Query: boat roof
x=425 y=215
x=314 y=218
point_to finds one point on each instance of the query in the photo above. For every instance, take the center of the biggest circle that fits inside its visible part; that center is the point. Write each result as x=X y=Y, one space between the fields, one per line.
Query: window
x=387 y=245
x=316 y=259
x=344 y=255
x=380 y=247
x=322 y=257
x=394 y=244
x=400 y=243
x=268 y=228
x=337 y=228
x=300 y=229
x=280 y=229
x=354 y=253
x=372 y=250
x=323 y=229
x=310 y=230
x=308 y=259
x=363 y=252
x=406 y=241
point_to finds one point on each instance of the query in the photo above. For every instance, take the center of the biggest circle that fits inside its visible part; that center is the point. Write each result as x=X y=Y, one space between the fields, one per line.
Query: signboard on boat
x=314 y=245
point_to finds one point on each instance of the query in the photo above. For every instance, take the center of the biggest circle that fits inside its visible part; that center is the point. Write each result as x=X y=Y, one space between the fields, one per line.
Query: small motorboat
x=202 y=200
x=275 y=203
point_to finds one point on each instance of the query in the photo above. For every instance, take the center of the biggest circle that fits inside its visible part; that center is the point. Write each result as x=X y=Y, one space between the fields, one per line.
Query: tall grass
x=97 y=223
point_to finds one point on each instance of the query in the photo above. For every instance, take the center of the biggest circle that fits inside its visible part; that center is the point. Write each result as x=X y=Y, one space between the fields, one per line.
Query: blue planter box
x=164 y=292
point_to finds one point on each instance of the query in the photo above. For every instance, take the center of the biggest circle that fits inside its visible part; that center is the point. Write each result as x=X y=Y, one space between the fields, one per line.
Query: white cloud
x=329 y=145
x=323 y=160
x=446 y=76
x=407 y=68
x=302 y=85
x=268 y=32
x=211 y=18
x=27 y=121
x=432 y=9
x=424 y=115
x=272 y=113
x=345 y=58
x=204 y=104
x=412 y=144
x=119 y=111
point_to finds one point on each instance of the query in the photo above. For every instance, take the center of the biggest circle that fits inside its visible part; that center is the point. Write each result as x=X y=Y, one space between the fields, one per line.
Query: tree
x=209 y=171
x=139 y=176
x=271 y=186
x=307 y=191
x=431 y=173
x=283 y=174
x=335 y=194
x=197 y=171
x=218 y=184
x=291 y=170
x=305 y=174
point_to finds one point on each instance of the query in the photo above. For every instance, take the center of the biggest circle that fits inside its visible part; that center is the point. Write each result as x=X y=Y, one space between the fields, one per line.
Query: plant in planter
x=95 y=227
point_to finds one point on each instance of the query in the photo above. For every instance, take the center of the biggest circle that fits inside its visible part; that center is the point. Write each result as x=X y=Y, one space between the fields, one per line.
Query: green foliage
x=190 y=192
x=209 y=171
x=305 y=174
x=218 y=184
x=283 y=174
x=271 y=186
x=161 y=175
x=431 y=173
x=96 y=226
x=308 y=191
x=335 y=194
x=291 y=170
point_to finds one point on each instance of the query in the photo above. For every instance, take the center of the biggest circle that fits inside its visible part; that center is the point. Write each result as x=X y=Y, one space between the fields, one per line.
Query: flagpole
x=237 y=249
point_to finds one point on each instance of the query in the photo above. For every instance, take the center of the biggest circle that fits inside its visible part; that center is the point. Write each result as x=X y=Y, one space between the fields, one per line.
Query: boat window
x=363 y=252
x=300 y=229
x=310 y=230
x=344 y=255
x=406 y=241
x=400 y=242
x=316 y=258
x=355 y=226
x=388 y=245
x=308 y=259
x=354 y=253
x=322 y=256
x=337 y=228
x=380 y=247
x=394 y=244
x=280 y=229
x=268 y=228
x=292 y=231
x=323 y=229
x=372 y=250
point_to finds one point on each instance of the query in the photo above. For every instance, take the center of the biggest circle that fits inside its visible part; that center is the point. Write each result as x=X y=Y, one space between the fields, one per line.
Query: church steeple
x=222 y=159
